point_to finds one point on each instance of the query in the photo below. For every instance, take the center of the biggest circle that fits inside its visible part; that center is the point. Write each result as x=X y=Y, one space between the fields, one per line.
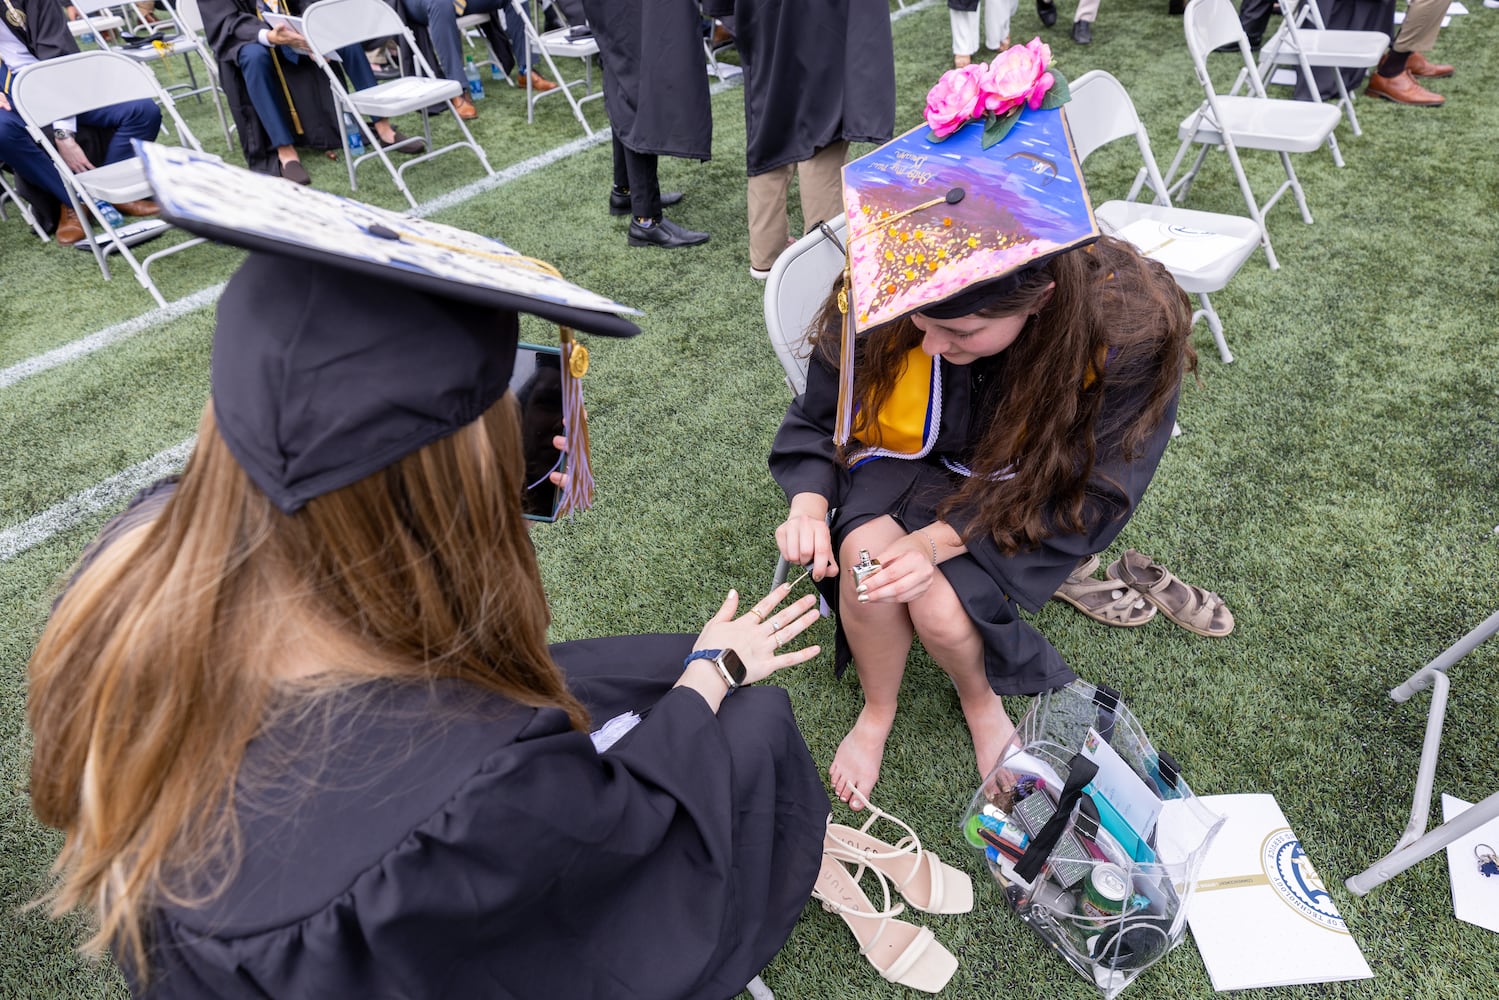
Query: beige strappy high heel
x=926 y=882
x=900 y=952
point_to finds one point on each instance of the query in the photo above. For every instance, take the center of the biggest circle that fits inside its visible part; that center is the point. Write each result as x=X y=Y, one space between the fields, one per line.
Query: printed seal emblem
x=1297 y=883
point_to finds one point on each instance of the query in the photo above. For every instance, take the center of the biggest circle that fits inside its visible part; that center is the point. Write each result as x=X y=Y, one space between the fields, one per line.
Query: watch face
x=734 y=666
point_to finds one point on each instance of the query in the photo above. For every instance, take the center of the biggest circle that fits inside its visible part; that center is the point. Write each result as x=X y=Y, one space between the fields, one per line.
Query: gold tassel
x=578 y=495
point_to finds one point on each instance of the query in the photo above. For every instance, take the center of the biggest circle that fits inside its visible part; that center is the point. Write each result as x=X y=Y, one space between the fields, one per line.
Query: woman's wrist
x=813 y=505
x=930 y=542
x=702 y=677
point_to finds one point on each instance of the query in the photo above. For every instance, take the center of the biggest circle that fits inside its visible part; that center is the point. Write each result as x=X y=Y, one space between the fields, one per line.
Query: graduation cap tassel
x=843 y=428
x=578 y=494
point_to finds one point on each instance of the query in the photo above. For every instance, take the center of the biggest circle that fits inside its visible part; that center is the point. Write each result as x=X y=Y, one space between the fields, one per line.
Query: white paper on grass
x=1179 y=248
x=1261 y=916
x=1475 y=896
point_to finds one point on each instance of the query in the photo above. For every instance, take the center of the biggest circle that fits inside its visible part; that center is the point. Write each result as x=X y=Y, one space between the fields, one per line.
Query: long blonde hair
x=160 y=662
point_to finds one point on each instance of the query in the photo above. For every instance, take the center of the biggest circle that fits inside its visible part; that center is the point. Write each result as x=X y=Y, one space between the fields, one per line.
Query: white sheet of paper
x=610 y=732
x=1126 y=791
x=1456 y=8
x=1261 y=915
x=1475 y=896
x=1177 y=247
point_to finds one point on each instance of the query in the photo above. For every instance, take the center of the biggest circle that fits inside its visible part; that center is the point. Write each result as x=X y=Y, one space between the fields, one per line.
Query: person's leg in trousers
x=821 y=182
x=769 y=229
x=127 y=120
x=362 y=77
x=27 y=158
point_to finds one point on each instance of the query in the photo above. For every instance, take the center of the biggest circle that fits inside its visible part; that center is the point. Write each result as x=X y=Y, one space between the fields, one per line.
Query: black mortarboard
x=353 y=336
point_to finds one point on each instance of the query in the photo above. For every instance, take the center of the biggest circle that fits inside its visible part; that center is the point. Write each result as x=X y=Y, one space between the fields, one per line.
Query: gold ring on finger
x=759 y=618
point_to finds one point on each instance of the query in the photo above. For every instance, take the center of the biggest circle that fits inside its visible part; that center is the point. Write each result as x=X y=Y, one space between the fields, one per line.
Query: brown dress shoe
x=1418 y=65
x=142 y=208
x=1403 y=89
x=69 y=229
x=539 y=83
x=465 y=108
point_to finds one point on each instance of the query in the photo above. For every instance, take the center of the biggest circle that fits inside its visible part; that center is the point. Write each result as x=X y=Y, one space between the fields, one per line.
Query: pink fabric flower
x=954 y=101
x=1017 y=76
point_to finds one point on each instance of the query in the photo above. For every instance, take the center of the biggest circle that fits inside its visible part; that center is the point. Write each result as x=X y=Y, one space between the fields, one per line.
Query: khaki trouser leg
x=821 y=181
x=1423 y=19
x=768 y=227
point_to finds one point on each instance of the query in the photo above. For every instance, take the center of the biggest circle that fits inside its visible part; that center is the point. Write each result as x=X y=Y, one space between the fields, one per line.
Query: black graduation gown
x=814 y=73
x=655 y=75
x=228 y=26
x=1017 y=658
x=455 y=845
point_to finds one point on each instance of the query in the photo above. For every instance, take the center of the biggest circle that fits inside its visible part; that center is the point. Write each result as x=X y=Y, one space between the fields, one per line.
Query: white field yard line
x=109 y=494
x=117 y=488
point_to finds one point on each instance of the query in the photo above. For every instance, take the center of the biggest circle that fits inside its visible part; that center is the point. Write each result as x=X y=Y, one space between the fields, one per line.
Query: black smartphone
x=537 y=384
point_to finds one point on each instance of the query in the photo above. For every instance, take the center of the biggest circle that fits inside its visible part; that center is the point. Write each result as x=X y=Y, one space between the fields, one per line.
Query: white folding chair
x=1316 y=47
x=1416 y=843
x=331 y=24
x=1230 y=122
x=1202 y=250
x=189 y=21
x=8 y=193
x=46 y=91
x=95 y=14
x=556 y=43
x=89 y=28
x=798 y=285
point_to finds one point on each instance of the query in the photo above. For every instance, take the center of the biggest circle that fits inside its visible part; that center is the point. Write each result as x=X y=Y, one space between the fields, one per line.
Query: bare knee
x=940 y=618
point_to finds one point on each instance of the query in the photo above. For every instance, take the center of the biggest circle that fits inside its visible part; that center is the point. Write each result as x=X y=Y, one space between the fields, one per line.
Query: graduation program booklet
x=1261 y=915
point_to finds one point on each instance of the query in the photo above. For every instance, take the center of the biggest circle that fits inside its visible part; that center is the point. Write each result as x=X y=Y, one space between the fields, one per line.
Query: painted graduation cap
x=353 y=336
x=930 y=219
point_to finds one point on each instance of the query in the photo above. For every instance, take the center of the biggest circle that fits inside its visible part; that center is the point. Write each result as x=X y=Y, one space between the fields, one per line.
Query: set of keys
x=1488 y=863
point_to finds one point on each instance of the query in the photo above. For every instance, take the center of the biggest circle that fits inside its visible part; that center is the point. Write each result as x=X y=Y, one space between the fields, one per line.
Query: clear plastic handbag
x=1110 y=903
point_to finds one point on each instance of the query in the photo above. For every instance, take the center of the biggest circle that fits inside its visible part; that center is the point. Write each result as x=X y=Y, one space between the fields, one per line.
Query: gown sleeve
x=803 y=458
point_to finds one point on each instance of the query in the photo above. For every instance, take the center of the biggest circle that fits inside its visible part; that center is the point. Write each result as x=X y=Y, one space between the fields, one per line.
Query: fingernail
x=863 y=598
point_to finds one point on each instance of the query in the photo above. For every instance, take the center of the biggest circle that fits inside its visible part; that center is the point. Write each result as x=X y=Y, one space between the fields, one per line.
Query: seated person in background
x=42 y=33
x=1014 y=387
x=298 y=719
x=440 y=17
x=258 y=64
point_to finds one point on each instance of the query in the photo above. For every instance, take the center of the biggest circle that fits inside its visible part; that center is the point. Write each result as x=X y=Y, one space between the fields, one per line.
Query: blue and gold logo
x=1297 y=883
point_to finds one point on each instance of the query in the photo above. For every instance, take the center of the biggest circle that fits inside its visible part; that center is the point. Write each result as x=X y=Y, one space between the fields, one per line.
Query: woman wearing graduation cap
x=296 y=713
x=1009 y=383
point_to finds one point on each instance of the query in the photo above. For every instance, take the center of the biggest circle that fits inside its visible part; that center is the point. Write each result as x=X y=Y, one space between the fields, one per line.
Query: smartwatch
x=62 y=134
x=730 y=667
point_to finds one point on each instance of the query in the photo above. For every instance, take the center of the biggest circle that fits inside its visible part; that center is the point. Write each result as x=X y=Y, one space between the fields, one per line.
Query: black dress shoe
x=293 y=171
x=664 y=233
x=411 y=145
x=1082 y=32
x=619 y=201
x=1047 y=11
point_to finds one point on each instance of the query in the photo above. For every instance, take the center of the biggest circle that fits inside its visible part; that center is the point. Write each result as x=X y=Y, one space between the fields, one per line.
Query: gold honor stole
x=906 y=426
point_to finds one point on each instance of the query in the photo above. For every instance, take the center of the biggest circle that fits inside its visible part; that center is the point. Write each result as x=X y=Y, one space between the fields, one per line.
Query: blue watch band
x=702 y=654
x=715 y=656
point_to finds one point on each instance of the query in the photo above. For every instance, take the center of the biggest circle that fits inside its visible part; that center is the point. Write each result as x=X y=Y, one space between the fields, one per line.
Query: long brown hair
x=159 y=664
x=1116 y=323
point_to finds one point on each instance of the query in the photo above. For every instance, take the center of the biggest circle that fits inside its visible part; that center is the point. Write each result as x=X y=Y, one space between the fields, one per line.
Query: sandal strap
x=1083 y=570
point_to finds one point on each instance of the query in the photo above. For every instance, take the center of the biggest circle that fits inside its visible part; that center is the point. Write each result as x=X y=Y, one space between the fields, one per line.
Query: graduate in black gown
x=1013 y=387
x=297 y=717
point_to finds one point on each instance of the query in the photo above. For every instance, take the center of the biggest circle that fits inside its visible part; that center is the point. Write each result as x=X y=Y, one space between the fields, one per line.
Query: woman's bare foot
x=991 y=728
x=857 y=762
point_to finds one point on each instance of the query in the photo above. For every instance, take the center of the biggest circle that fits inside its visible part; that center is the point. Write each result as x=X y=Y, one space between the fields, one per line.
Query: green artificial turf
x=1338 y=484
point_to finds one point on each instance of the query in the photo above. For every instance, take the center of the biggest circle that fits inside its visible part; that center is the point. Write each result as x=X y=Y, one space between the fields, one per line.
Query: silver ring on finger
x=775 y=625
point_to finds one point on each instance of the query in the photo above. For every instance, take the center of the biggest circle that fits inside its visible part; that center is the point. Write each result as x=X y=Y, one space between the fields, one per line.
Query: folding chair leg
x=1210 y=316
x=1251 y=203
x=1414 y=846
x=1337 y=155
x=1306 y=213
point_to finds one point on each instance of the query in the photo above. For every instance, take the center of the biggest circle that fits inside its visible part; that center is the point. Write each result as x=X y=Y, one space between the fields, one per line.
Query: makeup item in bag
x=1069 y=862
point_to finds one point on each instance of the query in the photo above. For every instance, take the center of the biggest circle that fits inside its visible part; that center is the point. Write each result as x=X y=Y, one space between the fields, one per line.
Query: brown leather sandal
x=1194 y=609
x=1106 y=601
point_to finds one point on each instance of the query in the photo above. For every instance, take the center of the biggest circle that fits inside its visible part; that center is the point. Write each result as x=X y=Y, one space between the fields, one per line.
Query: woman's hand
x=906 y=571
x=757 y=634
x=803 y=537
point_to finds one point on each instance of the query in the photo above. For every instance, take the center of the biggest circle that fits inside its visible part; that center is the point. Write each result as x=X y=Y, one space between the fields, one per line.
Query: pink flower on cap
x=954 y=101
x=1017 y=76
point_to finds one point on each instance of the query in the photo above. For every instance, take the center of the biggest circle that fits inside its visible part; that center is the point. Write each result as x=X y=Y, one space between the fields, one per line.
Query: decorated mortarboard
x=988 y=189
x=353 y=336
